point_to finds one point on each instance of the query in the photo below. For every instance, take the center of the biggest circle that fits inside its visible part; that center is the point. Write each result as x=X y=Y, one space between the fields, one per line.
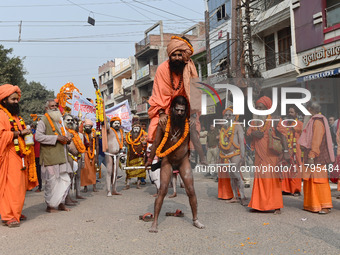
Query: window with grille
x=284 y=41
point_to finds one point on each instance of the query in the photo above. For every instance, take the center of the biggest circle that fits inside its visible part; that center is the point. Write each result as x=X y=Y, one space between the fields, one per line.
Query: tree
x=33 y=94
x=33 y=98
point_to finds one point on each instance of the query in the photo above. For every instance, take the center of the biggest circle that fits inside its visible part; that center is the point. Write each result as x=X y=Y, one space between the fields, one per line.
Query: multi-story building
x=273 y=41
x=150 y=52
x=106 y=82
x=116 y=78
x=123 y=78
x=317 y=29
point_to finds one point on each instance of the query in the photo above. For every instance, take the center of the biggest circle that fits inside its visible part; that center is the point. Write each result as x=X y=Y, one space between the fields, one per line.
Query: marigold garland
x=77 y=140
x=121 y=143
x=165 y=138
x=26 y=152
x=229 y=156
x=135 y=142
x=91 y=155
x=53 y=127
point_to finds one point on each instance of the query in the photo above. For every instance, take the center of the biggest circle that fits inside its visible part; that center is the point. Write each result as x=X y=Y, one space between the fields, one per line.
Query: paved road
x=110 y=225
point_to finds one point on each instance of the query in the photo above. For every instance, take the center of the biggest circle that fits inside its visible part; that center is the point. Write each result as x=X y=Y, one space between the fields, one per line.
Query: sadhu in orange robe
x=316 y=189
x=291 y=182
x=266 y=194
x=12 y=178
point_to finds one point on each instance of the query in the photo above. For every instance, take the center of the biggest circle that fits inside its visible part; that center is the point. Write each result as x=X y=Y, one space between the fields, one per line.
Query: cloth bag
x=274 y=143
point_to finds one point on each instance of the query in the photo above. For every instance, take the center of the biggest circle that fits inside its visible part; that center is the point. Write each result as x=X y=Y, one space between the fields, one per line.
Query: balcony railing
x=143 y=43
x=144 y=71
x=333 y=15
x=263 y=5
x=273 y=61
x=127 y=83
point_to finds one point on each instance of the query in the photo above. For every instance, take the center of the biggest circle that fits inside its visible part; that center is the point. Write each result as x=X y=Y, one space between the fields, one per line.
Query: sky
x=59 y=45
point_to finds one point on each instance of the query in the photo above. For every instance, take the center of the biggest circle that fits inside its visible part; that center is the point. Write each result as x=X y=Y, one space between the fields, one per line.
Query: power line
x=59 y=5
x=185 y=7
x=153 y=7
x=131 y=6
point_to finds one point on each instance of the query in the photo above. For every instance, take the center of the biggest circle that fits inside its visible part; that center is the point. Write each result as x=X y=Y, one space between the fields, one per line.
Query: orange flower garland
x=135 y=142
x=91 y=155
x=165 y=138
x=228 y=133
x=77 y=141
x=121 y=135
x=22 y=150
x=53 y=127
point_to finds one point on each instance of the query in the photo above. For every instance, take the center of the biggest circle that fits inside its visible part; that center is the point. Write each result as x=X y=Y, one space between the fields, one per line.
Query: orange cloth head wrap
x=116 y=118
x=7 y=89
x=177 y=43
x=266 y=101
x=230 y=109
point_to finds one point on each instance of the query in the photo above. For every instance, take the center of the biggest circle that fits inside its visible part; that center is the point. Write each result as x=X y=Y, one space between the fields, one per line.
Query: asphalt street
x=111 y=225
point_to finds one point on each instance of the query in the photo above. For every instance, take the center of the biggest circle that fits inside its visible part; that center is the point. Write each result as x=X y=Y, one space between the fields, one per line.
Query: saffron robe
x=12 y=178
x=316 y=189
x=266 y=194
x=88 y=173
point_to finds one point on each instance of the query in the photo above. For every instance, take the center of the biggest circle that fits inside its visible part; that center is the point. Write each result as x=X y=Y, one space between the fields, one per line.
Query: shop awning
x=319 y=73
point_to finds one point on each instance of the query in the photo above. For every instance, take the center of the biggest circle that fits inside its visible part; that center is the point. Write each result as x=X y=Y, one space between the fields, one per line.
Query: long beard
x=14 y=108
x=134 y=135
x=259 y=117
x=55 y=115
x=177 y=121
x=177 y=66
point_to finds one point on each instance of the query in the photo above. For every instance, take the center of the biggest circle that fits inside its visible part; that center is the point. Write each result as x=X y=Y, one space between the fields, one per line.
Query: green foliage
x=33 y=94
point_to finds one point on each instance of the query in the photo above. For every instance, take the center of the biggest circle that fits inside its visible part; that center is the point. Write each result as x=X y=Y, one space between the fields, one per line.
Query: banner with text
x=122 y=110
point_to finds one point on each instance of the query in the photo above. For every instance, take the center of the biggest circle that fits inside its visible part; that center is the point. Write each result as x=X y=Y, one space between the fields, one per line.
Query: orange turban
x=266 y=101
x=7 y=89
x=178 y=43
x=230 y=109
x=116 y=118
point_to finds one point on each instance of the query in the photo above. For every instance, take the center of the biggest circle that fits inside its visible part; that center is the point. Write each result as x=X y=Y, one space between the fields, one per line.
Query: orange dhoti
x=88 y=173
x=291 y=184
x=317 y=194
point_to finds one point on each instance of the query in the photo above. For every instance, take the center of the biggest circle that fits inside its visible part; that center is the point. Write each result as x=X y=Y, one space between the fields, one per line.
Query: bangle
x=149 y=160
x=285 y=151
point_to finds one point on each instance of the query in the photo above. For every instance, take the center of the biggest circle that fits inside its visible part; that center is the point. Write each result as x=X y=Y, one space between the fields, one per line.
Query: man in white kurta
x=53 y=157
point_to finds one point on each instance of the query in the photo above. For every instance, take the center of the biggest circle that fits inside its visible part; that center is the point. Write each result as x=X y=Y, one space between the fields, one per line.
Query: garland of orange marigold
x=53 y=127
x=25 y=152
x=121 y=143
x=91 y=155
x=135 y=142
x=77 y=141
x=165 y=138
x=230 y=134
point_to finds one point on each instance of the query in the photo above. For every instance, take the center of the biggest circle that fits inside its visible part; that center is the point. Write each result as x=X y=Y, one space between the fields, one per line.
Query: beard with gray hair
x=55 y=115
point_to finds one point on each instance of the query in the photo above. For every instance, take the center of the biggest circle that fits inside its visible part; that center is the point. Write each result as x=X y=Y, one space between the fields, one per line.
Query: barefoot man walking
x=172 y=144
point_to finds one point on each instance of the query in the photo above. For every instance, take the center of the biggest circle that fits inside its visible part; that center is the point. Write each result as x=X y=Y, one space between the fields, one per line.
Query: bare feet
x=277 y=211
x=173 y=195
x=138 y=186
x=233 y=200
x=325 y=211
x=50 y=209
x=79 y=197
x=338 y=197
x=243 y=201
x=109 y=194
x=198 y=224
x=85 y=189
x=153 y=228
x=155 y=195
x=62 y=207
x=126 y=187
x=116 y=193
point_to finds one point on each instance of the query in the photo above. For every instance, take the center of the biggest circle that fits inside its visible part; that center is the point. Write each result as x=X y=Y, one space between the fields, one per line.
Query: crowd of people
x=69 y=152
